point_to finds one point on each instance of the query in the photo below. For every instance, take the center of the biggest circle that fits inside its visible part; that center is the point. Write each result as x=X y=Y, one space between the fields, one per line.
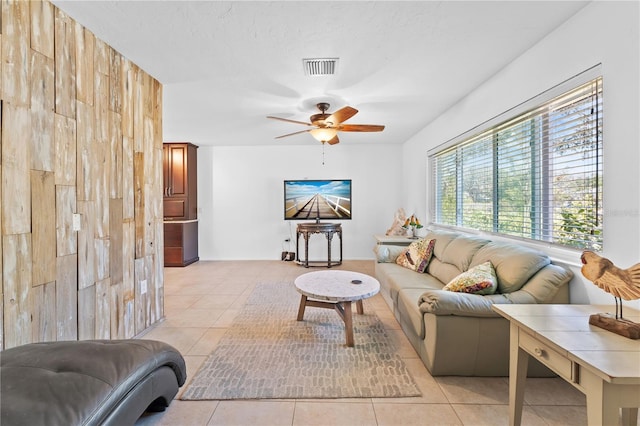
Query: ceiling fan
x=325 y=126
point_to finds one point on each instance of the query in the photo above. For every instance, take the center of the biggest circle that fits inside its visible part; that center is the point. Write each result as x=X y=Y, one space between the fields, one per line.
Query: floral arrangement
x=412 y=223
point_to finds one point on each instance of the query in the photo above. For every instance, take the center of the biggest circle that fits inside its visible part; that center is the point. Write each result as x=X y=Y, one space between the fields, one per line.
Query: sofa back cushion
x=452 y=254
x=444 y=272
x=514 y=264
x=461 y=251
x=442 y=238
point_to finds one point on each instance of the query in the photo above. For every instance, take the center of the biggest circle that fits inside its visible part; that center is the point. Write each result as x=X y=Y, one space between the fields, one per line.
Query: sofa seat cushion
x=395 y=278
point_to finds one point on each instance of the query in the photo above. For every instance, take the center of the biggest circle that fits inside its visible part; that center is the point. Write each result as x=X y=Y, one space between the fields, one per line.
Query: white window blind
x=537 y=175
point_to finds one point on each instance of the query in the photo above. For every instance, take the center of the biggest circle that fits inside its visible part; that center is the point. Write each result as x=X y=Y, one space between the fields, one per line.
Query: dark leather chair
x=91 y=382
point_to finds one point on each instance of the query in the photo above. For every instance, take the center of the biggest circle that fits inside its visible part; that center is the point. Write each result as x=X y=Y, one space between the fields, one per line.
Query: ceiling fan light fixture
x=323 y=134
x=320 y=66
x=325 y=126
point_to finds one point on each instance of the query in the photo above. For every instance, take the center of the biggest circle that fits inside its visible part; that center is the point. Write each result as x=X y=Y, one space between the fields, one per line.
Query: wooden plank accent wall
x=1 y=255
x=81 y=141
x=43 y=227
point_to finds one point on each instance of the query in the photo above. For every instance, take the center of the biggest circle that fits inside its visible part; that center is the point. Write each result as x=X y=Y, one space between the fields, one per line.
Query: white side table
x=602 y=365
x=395 y=240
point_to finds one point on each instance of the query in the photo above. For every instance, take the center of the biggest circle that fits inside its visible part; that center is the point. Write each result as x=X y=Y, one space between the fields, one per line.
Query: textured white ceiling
x=227 y=65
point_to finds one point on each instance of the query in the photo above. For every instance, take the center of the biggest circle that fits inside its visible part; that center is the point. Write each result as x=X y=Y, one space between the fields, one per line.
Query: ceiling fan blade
x=290 y=121
x=341 y=115
x=361 y=128
x=333 y=140
x=294 y=133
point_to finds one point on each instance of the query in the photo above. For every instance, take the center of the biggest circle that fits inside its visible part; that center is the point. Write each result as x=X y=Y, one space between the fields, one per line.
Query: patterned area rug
x=266 y=353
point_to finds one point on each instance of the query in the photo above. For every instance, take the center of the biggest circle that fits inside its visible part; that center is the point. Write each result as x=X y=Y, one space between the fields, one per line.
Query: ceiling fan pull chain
x=323 y=153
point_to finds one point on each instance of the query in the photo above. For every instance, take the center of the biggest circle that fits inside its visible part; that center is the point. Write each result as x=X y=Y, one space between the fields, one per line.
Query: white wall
x=240 y=194
x=602 y=32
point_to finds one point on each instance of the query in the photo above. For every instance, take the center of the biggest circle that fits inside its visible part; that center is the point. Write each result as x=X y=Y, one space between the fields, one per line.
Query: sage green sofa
x=458 y=333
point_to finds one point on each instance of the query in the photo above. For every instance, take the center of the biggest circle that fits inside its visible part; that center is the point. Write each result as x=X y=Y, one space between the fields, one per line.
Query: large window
x=537 y=175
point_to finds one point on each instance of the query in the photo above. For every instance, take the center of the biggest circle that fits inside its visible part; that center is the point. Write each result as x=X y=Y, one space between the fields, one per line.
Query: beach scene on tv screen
x=321 y=199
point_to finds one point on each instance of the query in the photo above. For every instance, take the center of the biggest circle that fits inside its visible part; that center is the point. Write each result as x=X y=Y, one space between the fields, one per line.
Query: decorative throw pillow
x=480 y=279
x=417 y=256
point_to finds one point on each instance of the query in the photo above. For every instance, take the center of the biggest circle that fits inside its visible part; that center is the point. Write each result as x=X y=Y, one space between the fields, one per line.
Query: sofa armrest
x=442 y=302
x=388 y=253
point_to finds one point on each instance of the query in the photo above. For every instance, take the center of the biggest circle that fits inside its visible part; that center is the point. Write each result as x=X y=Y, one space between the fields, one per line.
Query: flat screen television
x=328 y=199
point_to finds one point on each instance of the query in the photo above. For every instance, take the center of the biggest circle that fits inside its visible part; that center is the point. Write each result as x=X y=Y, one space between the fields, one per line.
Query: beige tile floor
x=201 y=301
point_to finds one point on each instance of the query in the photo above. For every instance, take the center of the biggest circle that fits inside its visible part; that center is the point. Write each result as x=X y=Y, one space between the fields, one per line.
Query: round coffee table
x=336 y=290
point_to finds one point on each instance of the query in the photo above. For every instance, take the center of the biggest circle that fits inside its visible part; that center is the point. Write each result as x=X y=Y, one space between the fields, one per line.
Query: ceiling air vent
x=320 y=66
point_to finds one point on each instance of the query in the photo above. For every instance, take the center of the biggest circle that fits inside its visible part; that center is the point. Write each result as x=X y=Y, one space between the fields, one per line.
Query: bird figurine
x=621 y=283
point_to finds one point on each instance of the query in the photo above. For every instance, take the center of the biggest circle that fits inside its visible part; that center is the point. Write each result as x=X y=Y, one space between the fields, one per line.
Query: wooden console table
x=328 y=229
x=602 y=365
